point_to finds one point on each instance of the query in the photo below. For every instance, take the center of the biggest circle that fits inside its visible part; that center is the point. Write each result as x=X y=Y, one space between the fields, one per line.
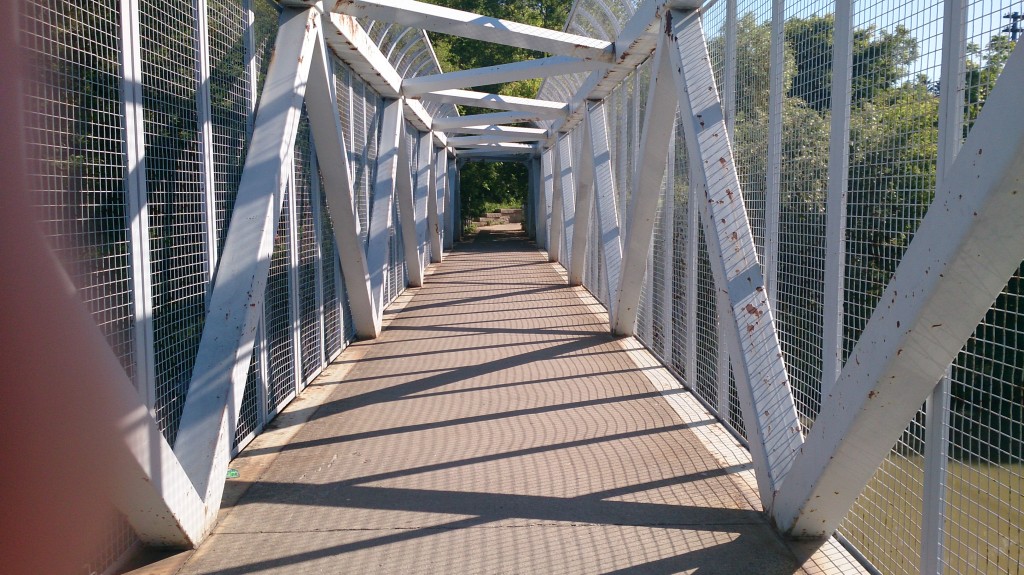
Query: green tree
x=880 y=59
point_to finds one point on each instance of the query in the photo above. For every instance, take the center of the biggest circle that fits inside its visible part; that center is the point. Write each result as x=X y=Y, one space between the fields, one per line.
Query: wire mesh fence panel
x=250 y=416
x=229 y=104
x=278 y=317
x=74 y=141
x=682 y=232
x=264 y=31
x=705 y=378
x=333 y=332
x=750 y=131
x=308 y=253
x=985 y=477
x=803 y=182
x=886 y=521
x=891 y=181
x=176 y=200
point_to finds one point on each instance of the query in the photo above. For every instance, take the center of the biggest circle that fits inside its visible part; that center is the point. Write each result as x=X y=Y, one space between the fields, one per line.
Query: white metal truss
x=959 y=260
x=497 y=138
x=553 y=214
x=435 y=205
x=606 y=202
x=381 y=204
x=222 y=362
x=509 y=132
x=647 y=180
x=466 y=24
x=773 y=427
x=422 y=195
x=325 y=122
x=452 y=122
x=407 y=213
x=567 y=184
x=542 y=108
x=584 y=207
x=499 y=74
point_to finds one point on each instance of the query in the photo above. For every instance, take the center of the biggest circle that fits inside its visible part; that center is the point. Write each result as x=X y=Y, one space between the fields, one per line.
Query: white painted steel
x=835 y=210
x=567 y=185
x=964 y=250
x=511 y=138
x=96 y=414
x=407 y=212
x=556 y=239
x=435 y=198
x=542 y=108
x=542 y=205
x=553 y=239
x=350 y=43
x=508 y=131
x=468 y=25
x=136 y=195
x=499 y=74
x=584 y=176
x=605 y=190
x=204 y=114
x=451 y=122
x=451 y=206
x=773 y=184
x=381 y=205
x=325 y=124
x=225 y=349
x=648 y=176
x=423 y=192
x=769 y=413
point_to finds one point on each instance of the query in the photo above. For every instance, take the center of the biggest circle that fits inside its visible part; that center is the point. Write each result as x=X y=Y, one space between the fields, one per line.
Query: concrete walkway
x=495 y=427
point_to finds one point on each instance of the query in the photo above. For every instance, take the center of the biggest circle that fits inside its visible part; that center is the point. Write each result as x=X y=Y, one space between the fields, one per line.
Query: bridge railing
x=843 y=118
x=140 y=119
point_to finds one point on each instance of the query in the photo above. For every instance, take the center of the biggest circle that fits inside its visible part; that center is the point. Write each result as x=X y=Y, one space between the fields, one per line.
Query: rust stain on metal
x=752 y=310
x=872 y=394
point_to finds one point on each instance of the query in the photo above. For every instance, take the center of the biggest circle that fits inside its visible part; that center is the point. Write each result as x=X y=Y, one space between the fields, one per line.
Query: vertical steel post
x=605 y=202
x=567 y=187
x=584 y=207
x=136 y=195
x=835 y=210
x=773 y=184
x=668 y=220
x=318 y=235
x=729 y=76
x=204 y=116
x=936 y=458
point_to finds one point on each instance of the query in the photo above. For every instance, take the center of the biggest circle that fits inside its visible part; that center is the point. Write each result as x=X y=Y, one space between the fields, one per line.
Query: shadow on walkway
x=495 y=427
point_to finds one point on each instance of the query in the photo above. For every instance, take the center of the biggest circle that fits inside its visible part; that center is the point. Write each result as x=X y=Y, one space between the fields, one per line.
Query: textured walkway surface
x=495 y=427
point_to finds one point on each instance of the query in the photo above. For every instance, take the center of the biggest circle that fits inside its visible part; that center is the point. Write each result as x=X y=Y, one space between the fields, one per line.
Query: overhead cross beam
x=542 y=108
x=511 y=131
x=460 y=141
x=451 y=122
x=468 y=25
x=499 y=74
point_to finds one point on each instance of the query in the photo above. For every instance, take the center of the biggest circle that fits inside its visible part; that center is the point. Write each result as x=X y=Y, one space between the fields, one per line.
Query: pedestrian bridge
x=763 y=315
